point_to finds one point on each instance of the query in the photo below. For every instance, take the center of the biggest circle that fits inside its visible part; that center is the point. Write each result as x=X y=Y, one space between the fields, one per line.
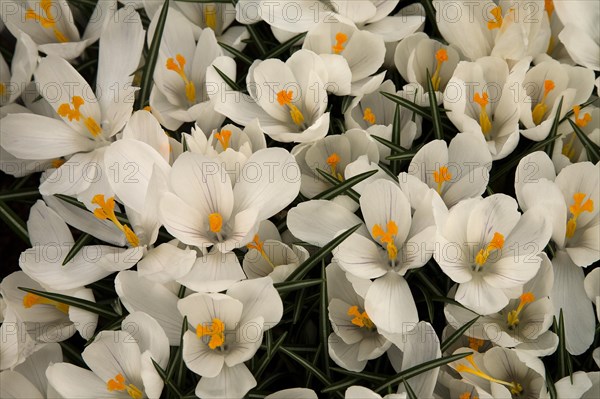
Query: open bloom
x=580 y=35
x=568 y=149
x=489 y=249
x=15 y=79
x=288 y=98
x=272 y=258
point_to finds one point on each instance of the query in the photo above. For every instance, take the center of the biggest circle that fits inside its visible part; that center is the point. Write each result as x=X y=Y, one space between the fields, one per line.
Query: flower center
x=223 y=138
x=30 y=300
x=333 y=161
x=475 y=343
x=284 y=98
x=467 y=395
x=360 y=319
x=513 y=316
x=515 y=387
x=210 y=16
x=387 y=238
x=340 y=39
x=216 y=332
x=72 y=112
x=118 y=384
x=178 y=67
x=215 y=222
x=47 y=20
x=540 y=109
x=496 y=21
x=577 y=209
x=106 y=210
x=484 y=253
x=260 y=247
x=369 y=116
x=441 y=56
x=484 y=119
x=583 y=121
x=440 y=176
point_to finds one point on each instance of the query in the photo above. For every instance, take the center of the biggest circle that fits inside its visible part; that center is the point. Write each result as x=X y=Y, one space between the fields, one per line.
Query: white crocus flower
x=183 y=84
x=416 y=54
x=15 y=79
x=227 y=330
x=580 y=35
x=121 y=363
x=569 y=202
x=579 y=385
x=272 y=258
x=293 y=393
x=375 y=113
x=17 y=343
x=486 y=28
x=523 y=324
x=543 y=87
x=288 y=98
x=203 y=209
x=28 y=380
x=489 y=249
x=51 y=25
x=457 y=171
x=363 y=51
x=88 y=122
x=482 y=99
x=355 y=339
x=568 y=149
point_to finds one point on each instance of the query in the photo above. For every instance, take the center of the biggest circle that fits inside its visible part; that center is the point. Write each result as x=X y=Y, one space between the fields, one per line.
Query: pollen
x=512 y=318
x=440 y=176
x=496 y=244
x=387 y=237
x=106 y=211
x=475 y=343
x=260 y=247
x=441 y=56
x=30 y=300
x=578 y=207
x=216 y=332
x=284 y=98
x=360 y=319
x=178 y=65
x=484 y=119
x=223 y=137
x=46 y=19
x=584 y=120
x=369 y=116
x=515 y=387
x=340 y=39
x=210 y=16
x=58 y=162
x=72 y=112
x=540 y=109
x=215 y=222
x=118 y=383
x=333 y=160
x=496 y=21
x=2 y=89
x=549 y=7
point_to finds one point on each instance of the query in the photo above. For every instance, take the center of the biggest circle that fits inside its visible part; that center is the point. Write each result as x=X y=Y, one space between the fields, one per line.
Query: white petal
x=231 y=383
x=260 y=299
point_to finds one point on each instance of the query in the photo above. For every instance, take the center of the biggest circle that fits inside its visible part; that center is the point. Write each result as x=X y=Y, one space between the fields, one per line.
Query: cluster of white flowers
x=233 y=188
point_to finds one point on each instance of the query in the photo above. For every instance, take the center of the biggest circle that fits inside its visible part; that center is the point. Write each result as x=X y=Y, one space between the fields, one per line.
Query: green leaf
x=308 y=264
x=428 y=302
x=435 y=112
x=348 y=382
x=327 y=176
x=550 y=386
x=267 y=357
x=430 y=13
x=343 y=187
x=401 y=157
x=421 y=368
x=162 y=373
x=417 y=109
x=152 y=58
x=176 y=365
x=76 y=302
x=306 y=365
x=283 y=47
x=396 y=137
x=346 y=101
x=296 y=285
x=592 y=149
x=363 y=375
x=20 y=194
x=554 y=128
x=456 y=335
x=324 y=318
x=228 y=80
x=238 y=54
x=409 y=391
x=257 y=40
x=564 y=359
x=392 y=146
x=15 y=223
x=81 y=242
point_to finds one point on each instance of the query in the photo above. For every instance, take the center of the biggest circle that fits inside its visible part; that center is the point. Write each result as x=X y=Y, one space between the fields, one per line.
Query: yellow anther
x=179 y=68
x=484 y=119
x=333 y=161
x=106 y=210
x=72 y=112
x=387 y=237
x=284 y=98
x=440 y=176
x=216 y=332
x=58 y=162
x=340 y=39
x=215 y=222
x=577 y=209
x=441 y=56
x=496 y=22
x=549 y=7
x=223 y=138
x=260 y=247
x=360 y=319
x=147 y=108
x=2 y=89
x=47 y=20
x=118 y=384
x=494 y=245
x=568 y=149
x=513 y=316
x=30 y=300
x=475 y=343
x=540 y=109
x=369 y=116
x=583 y=121
x=467 y=395
x=515 y=387
x=210 y=16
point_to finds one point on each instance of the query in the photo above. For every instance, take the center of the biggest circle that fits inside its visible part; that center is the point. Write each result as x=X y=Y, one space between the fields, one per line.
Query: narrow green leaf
x=283 y=47
x=396 y=140
x=550 y=386
x=392 y=146
x=298 y=306
x=308 y=264
x=306 y=365
x=76 y=302
x=409 y=391
x=417 y=109
x=237 y=53
x=266 y=359
x=430 y=13
x=20 y=195
x=162 y=373
x=564 y=359
x=343 y=187
x=401 y=157
x=327 y=176
x=428 y=302
x=257 y=40
x=324 y=318
x=421 y=368
x=554 y=128
x=365 y=375
x=346 y=101
x=228 y=80
x=13 y=221
x=72 y=353
x=152 y=58
x=296 y=285
x=438 y=132
x=457 y=334
x=592 y=149
x=348 y=382
x=81 y=242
